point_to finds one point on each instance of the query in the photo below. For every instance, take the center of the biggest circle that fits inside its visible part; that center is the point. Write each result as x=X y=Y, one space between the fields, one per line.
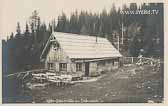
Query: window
x=102 y=62
x=78 y=66
x=55 y=46
x=63 y=66
x=50 y=65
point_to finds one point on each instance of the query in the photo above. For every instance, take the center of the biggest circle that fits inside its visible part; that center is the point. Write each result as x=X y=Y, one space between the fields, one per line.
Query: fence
x=142 y=60
x=123 y=60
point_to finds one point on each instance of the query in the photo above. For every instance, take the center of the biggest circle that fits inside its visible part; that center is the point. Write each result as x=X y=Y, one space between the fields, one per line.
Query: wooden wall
x=56 y=57
x=59 y=56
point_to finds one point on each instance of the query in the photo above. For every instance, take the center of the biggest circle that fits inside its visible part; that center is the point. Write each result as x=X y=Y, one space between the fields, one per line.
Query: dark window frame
x=63 y=66
x=78 y=67
x=50 y=66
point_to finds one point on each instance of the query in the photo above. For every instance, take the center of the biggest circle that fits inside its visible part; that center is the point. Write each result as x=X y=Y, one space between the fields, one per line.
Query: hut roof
x=84 y=46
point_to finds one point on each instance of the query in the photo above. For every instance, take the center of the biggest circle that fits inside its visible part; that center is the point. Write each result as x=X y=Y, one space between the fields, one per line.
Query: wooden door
x=87 y=69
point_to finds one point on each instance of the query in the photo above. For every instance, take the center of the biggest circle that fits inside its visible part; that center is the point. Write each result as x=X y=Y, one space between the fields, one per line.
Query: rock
x=155 y=96
x=148 y=81
x=148 y=87
x=151 y=101
x=100 y=87
x=160 y=96
x=138 y=86
x=106 y=94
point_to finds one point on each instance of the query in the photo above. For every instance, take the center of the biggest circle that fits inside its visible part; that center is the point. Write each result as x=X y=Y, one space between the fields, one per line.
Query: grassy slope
x=124 y=85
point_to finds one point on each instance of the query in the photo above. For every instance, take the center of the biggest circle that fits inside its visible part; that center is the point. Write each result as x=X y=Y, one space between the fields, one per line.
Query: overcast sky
x=13 y=11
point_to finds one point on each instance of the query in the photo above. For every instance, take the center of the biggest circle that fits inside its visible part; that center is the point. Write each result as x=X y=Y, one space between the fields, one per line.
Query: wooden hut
x=75 y=54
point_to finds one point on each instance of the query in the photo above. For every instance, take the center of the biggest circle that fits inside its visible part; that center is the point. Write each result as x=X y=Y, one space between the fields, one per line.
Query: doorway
x=87 y=69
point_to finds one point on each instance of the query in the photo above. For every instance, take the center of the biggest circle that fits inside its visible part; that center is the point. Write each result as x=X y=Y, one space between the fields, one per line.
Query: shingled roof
x=84 y=46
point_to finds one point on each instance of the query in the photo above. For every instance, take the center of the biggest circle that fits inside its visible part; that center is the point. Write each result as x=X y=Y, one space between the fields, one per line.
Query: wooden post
x=151 y=62
x=118 y=43
x=140 y=59
x=41 y=80
x=132 y=60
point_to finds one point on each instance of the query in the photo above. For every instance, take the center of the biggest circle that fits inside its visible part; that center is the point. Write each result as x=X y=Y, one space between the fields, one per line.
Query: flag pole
x=122 y=37
x=118 y=43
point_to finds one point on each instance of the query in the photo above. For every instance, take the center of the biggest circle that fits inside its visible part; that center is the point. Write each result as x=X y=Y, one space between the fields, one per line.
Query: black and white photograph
x=82 y=51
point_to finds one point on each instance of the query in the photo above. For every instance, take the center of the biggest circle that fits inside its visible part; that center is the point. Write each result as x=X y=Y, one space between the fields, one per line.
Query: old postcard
x=83 y=51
